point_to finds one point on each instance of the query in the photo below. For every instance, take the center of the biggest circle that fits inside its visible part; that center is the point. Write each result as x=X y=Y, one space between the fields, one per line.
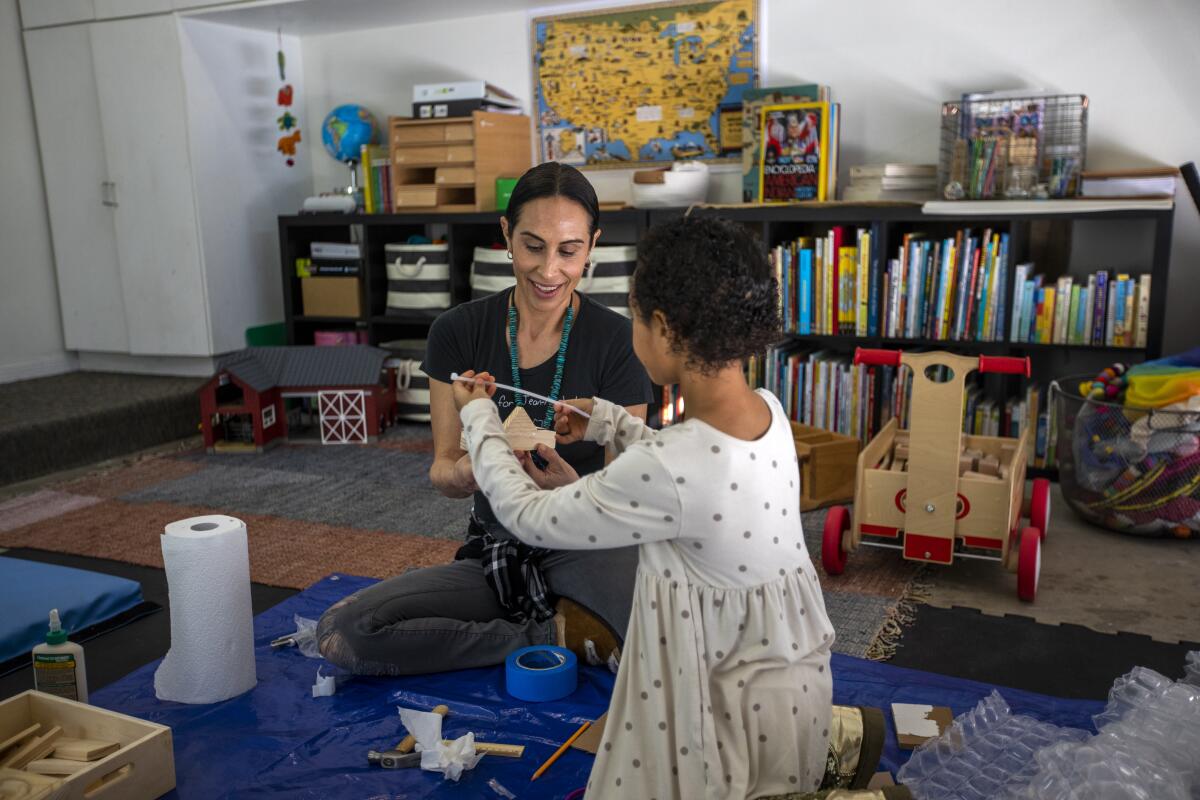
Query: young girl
x=724 y=687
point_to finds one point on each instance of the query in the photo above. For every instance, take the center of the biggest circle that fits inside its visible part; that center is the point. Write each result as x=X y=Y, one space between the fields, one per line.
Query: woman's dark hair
x=711 y=279
x=554 y=180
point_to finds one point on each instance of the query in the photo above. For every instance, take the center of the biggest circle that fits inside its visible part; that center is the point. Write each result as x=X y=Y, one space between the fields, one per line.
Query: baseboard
x=43 y=367
x=185 y=366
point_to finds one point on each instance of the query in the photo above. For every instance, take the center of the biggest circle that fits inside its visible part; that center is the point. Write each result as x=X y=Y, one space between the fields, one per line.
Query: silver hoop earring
x=510 y=255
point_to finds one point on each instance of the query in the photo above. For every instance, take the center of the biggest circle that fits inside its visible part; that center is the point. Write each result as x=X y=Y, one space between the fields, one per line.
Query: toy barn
x=264 y=395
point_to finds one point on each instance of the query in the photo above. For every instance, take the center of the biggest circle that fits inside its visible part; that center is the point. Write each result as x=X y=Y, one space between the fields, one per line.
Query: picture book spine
x=1127 y=334
x=875 y=277
x=1099 y=314
x=933 y=263
x=1062 y=310
x=1072 y=314
x=972 y=287
x=1109 y=312
x=915 y=283
x=1018 y=300
x=1122 y=283
x=835 y=249
x=1143 y=311
x=847 y=261
x=806 y=265
x=365 y=166
x=1088 y=311
x=964 y=282
x=1001 y=312
x=862 y=322
x=948 y=302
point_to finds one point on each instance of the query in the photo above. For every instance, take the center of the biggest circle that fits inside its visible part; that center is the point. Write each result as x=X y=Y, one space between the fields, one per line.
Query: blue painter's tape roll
x=541 y=672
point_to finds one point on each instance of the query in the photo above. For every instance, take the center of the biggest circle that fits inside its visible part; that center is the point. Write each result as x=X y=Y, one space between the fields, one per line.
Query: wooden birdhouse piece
x=523 y=434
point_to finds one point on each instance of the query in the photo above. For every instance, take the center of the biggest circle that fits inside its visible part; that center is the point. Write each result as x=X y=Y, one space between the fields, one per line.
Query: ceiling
x=317 y=17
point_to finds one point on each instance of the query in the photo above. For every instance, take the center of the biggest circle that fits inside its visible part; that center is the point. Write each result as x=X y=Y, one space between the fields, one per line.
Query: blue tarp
x=278 y=739
x=82 y=598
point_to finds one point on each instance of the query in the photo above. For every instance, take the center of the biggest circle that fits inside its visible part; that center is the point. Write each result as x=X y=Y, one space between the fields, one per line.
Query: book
x=1154 y=182
x=793 y=152
x=1099 y=308
x=447 y=109
x=752 y=102
x=462 y=90
x=1142 y=325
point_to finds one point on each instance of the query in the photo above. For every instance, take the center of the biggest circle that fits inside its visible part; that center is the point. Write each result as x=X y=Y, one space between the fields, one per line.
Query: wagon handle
x=882 y=358
x=1009 y=364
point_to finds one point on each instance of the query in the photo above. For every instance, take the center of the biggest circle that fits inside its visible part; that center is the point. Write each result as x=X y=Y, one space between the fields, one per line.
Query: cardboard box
x=331 y=297
x=142 y=769
x=917 y=724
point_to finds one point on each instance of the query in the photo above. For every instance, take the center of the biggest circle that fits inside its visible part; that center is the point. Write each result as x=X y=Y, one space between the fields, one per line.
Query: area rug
x=365 y=510
x=1105 y=581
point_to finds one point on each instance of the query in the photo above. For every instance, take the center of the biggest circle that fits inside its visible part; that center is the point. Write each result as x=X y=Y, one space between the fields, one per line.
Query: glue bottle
x=58 y=666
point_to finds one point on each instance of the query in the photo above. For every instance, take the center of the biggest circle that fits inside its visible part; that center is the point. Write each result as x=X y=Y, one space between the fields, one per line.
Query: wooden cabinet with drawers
x=452 y=164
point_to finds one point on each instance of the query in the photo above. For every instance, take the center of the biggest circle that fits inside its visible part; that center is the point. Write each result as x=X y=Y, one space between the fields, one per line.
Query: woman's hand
x=568 y=426
x=557 y=472
x=464 y=475
x=464 y=392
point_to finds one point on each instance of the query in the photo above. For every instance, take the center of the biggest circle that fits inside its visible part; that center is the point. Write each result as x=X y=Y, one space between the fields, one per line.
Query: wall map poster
x=644 y=84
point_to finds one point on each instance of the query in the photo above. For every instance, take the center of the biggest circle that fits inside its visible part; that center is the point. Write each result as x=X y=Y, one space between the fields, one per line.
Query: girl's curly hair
x=712 y=281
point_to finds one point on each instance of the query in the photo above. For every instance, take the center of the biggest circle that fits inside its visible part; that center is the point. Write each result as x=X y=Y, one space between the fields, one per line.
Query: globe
x=346 y=129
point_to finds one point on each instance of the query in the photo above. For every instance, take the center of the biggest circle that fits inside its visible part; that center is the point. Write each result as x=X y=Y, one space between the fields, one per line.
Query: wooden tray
x=827 y=466
x=143 y=769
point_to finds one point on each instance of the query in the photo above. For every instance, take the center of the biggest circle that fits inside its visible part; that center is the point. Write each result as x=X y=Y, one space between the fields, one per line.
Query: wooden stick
x=55 y=766
x=409 y=742
x=560 y=750
x=496 y=749
x=20 y=737
x=33 y=749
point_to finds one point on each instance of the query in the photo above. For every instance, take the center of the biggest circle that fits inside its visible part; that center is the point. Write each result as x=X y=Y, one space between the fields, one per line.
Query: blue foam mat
x=279 y=740
x=32 y=588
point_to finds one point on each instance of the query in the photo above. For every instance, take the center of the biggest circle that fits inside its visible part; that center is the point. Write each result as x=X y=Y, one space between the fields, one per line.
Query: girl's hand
x=466 y=392
x=557 y=472
x=568 y=426
x=464 y=475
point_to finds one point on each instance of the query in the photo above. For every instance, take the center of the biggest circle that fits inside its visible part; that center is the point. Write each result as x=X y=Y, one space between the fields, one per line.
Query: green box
x=504 y=190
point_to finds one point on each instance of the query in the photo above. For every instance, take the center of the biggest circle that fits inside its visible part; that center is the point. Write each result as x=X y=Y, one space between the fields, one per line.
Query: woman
x=499 y=595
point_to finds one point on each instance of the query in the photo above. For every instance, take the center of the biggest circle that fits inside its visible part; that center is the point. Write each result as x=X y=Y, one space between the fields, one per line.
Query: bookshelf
x=1044 y=232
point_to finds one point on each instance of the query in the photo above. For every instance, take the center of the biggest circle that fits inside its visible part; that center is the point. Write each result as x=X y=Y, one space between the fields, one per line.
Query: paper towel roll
x=212 y=629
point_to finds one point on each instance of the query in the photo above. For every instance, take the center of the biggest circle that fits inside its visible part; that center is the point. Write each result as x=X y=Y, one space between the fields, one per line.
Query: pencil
x=560 y=750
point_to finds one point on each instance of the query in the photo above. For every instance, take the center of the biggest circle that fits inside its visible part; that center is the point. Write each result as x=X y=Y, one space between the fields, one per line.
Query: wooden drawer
x=460 y=131
x=415 y=197
x=455 y=175
x=433 y=155
x=142 y=769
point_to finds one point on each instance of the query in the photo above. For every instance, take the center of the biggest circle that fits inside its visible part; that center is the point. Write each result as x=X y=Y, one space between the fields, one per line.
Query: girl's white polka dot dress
x=724 y=688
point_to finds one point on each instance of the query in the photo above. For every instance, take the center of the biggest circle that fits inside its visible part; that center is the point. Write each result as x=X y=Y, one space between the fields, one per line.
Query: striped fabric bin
x=491 y=271
x=606 y=281
x=418 y=280
x=610 y=277
x=412 y=385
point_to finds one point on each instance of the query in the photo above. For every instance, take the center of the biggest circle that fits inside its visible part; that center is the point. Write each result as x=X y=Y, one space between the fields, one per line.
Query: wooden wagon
x=935 y=493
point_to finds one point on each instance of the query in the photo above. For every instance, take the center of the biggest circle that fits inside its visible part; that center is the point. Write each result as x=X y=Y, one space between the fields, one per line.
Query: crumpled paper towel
x=449 y=758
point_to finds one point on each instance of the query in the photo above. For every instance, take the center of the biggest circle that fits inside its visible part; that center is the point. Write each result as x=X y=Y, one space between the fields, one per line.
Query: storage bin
x=331 y=297
x=609 y=278
x=418 y=280
x=412 y=384
x=828 y=463
x=491 y=272
x=142 y=769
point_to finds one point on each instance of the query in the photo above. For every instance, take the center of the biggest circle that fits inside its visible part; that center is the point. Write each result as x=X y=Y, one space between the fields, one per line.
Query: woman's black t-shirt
x=599 y=363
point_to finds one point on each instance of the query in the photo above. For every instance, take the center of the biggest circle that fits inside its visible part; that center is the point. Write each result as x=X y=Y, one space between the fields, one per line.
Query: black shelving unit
x=462 y=231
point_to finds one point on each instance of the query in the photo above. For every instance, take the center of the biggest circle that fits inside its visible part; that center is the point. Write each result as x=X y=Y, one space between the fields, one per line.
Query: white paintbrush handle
x=454 y=376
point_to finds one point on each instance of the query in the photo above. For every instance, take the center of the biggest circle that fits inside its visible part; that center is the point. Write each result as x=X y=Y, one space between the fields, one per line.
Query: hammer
x=409 y=742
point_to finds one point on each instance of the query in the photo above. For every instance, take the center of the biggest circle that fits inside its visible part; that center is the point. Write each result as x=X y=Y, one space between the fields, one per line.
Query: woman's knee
x=335 y=633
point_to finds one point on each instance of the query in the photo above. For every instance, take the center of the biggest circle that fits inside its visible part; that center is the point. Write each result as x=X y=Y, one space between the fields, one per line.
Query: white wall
x=31 y=340
x=231 y=79
x=890 y=65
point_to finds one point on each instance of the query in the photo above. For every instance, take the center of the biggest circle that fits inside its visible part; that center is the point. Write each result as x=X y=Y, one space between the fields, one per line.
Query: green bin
x=504 y=190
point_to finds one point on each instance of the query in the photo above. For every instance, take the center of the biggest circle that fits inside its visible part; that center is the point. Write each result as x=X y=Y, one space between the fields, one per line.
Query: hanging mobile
x=286 y=121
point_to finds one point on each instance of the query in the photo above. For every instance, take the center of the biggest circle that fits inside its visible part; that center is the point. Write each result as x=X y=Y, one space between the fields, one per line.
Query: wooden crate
x=451 y=164
x=142 y=769
x=827 y=466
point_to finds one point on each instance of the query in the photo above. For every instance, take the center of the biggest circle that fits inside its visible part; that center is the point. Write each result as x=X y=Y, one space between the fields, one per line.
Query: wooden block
x=989 y=465
x=32 y=749
x=83 y=749
x=21 y=785
x=900 y=452
x=55 y=766
x=523 y=434
x=17 y=738
x=899 y=465
x=965 y=464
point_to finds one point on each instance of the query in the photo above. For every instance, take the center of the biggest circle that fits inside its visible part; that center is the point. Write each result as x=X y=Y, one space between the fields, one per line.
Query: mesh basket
x=1132 y=470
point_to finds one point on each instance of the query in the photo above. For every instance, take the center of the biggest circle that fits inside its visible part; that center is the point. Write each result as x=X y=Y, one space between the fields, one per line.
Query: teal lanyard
x=559 y=360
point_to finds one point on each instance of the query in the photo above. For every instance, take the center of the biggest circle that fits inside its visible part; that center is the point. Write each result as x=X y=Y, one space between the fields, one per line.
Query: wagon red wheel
x=1029 y=564
x=833 y=556
x=1039 y=506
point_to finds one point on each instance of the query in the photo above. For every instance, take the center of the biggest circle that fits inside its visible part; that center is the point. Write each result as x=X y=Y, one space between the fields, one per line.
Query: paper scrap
x=325 y=685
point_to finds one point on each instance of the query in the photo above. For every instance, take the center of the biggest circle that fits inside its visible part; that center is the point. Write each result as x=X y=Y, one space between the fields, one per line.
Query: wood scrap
x=32 y=749
x=965 y=464
x=55 y=766
x=17 y=738
x=989 y=465
x=83 y=749
x=983 y=476
x=22 y=785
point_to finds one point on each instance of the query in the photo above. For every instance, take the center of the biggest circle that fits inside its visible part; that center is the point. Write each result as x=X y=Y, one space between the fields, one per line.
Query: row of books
x=826 y=390
x=945 y=289
x=1106 y=308
x=948 y=289
x=375 y=177
x=820 y=288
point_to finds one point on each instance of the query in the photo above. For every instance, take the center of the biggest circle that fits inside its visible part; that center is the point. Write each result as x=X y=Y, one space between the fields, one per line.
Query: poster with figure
x=644 y=84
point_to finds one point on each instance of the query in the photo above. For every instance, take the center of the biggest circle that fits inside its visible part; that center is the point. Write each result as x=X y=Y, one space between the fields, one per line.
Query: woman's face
x=550 y=246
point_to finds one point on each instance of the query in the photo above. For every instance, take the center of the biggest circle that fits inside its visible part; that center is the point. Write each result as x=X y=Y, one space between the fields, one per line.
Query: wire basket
x=1007 y=147
x=1131 y=470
